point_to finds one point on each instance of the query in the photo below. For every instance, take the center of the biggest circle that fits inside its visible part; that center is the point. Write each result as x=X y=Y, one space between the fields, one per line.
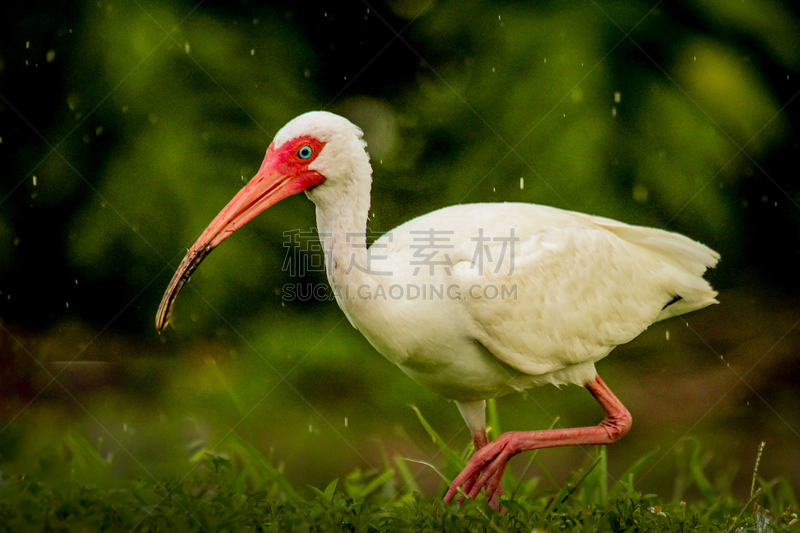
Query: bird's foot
x=484 y=471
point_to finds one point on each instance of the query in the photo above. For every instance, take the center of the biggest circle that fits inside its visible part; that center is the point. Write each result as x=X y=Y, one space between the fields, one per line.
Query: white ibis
x=474 y=301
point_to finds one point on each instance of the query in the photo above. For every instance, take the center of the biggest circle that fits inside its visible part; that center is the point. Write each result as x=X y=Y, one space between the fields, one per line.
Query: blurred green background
x=126 y=126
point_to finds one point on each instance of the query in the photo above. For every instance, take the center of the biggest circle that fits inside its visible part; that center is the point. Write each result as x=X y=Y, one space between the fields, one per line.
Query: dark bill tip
x=187 y=267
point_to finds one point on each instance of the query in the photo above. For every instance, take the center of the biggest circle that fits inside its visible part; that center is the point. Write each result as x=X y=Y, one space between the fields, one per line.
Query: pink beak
x=279 y=177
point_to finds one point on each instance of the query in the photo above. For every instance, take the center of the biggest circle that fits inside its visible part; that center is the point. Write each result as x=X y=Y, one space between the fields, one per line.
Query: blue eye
x=304 y=152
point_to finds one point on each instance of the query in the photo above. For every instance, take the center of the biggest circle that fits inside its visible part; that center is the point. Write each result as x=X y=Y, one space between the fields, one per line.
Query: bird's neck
x=342 y=230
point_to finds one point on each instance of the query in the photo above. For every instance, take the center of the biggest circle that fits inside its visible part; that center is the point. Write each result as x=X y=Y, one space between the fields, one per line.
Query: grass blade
x=700 y=479
x=258 y=462
x=385 y=477
x=755 y=469
x=409 y=480
x=568 y=489
x=596 y=484
x=494 y=419
x=84 y=455
x=631 y=471
x=452 y=457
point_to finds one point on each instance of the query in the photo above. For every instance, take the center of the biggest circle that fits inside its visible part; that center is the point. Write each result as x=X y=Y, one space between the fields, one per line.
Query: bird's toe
x=484 y=471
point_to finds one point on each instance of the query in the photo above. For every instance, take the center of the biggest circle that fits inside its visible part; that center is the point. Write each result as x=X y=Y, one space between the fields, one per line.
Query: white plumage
x=580 y=286
x=475 y=301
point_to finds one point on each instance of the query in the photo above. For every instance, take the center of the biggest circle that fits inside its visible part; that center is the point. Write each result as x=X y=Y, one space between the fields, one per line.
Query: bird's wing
x=572 y=287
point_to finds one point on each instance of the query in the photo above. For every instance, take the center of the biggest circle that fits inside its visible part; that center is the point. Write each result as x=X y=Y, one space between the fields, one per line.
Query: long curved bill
x=270 y=185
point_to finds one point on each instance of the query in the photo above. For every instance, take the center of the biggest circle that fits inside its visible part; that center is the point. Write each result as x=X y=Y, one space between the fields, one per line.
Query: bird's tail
x=693 y=293
x=684 y=262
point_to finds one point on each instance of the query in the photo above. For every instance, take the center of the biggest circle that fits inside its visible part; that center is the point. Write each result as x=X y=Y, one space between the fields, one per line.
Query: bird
x=474 y=301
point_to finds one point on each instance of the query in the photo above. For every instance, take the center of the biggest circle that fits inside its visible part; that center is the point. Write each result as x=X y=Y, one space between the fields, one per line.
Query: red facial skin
x=282 y=174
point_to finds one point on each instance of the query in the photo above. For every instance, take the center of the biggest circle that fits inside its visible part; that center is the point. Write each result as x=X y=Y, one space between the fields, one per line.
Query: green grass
x=241 y=490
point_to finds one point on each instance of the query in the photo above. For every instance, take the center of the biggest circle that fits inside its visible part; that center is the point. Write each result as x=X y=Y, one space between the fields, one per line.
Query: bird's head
x=319 y=153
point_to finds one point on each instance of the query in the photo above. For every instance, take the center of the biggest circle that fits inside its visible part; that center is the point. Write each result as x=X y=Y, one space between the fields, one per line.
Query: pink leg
x=480 y=439
x=488 y=464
